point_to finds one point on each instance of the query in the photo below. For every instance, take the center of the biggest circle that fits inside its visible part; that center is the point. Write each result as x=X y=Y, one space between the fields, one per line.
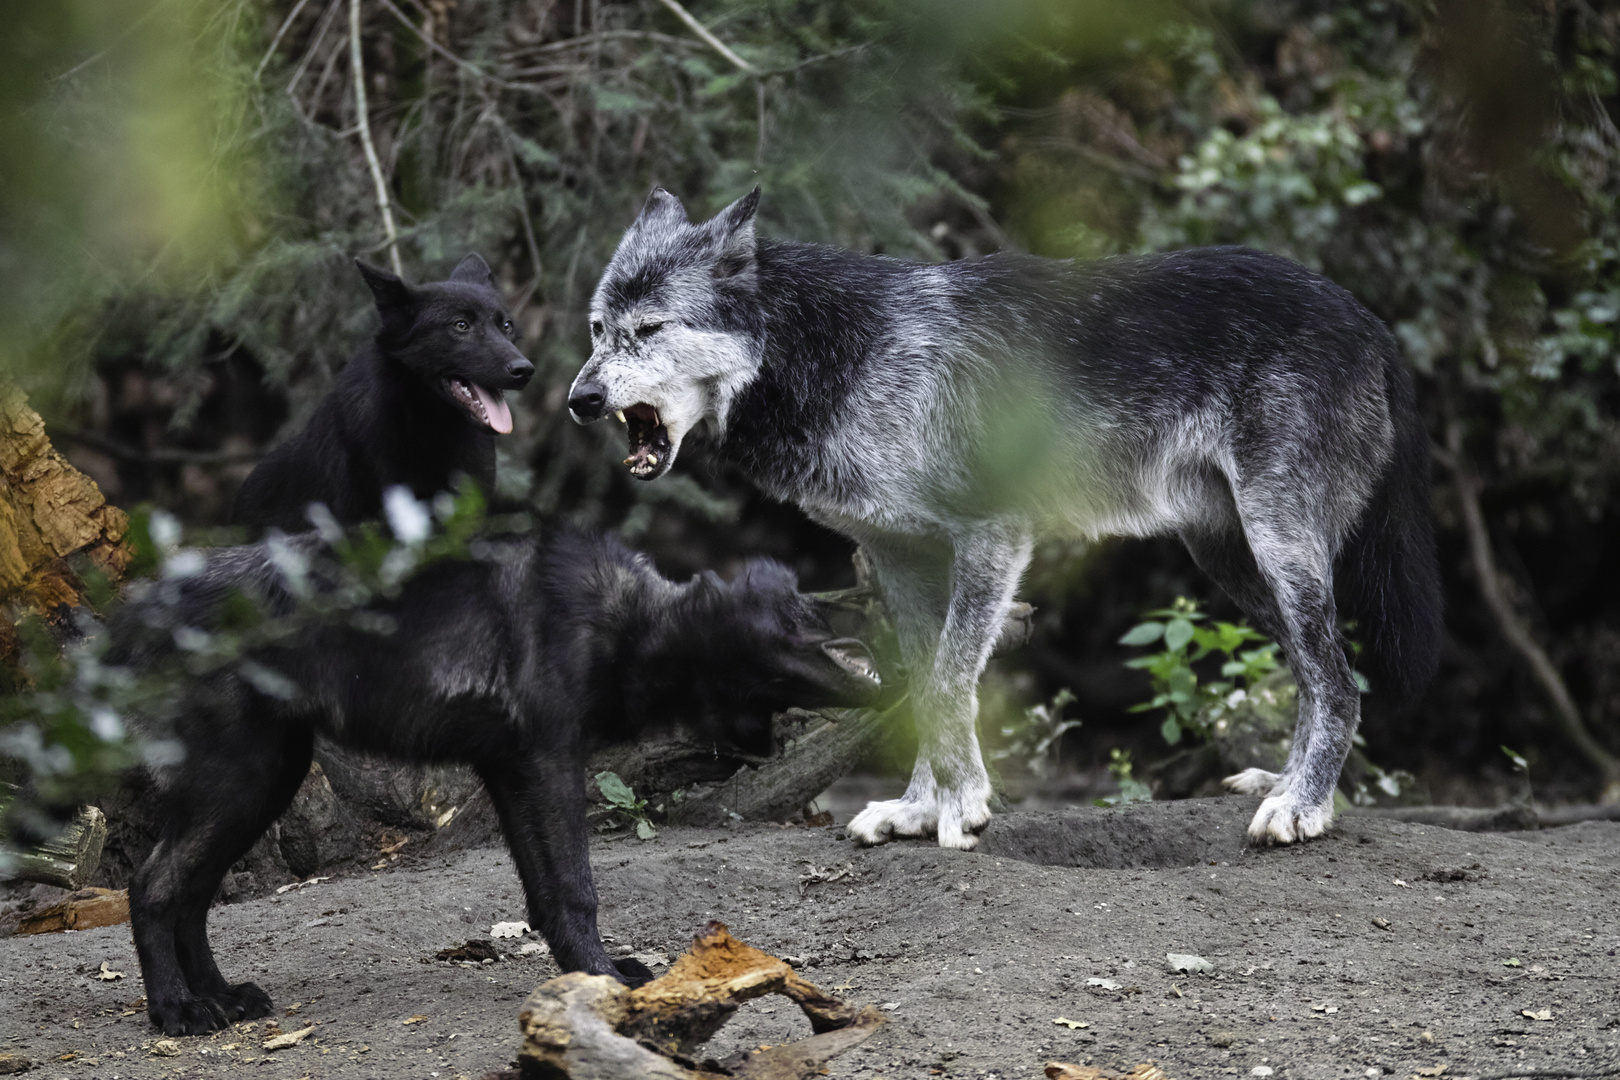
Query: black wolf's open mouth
x=483 y=405
x=649 y=439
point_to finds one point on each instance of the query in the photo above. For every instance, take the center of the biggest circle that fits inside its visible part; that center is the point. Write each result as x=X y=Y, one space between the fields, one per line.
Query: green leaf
x=1143 y=634
x=645 y=830
x=1177 y=632
x=614 y=790
x=1170 y=730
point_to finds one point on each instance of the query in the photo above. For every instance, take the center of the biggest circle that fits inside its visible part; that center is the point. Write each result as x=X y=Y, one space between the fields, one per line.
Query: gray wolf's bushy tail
x=1388 y=575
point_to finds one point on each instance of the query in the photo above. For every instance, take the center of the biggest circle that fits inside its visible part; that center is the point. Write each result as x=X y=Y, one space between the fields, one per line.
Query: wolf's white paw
x=961 y=816
x=882 y=821
x=1253 y=782
x=1281 y=819
x=955 y=817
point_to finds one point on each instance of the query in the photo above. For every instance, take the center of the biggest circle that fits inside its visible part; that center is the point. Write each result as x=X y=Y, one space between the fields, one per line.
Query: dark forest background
x=183 y=185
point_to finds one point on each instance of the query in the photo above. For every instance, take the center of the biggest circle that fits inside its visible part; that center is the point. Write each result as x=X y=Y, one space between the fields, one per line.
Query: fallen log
x=83 y=910
x=592 y=1027
x=70 y=859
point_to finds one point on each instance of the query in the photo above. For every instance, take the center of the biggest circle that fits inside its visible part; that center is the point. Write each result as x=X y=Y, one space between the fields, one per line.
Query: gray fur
x=944 y=416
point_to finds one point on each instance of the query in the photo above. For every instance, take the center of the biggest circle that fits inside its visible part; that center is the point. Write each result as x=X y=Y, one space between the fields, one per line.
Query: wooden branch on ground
x=833 y=742
x=591 y=1027
x=1513 y=628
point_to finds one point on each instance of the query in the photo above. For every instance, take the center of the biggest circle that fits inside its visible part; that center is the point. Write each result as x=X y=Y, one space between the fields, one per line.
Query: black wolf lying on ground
x=515 y=661
x=944 y=416
x=416 y=407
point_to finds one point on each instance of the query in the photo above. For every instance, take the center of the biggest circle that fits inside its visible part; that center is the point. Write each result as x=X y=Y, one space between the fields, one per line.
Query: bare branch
x=1518 y=635
x=359 y=70
x=709 y=39
x=275 y=42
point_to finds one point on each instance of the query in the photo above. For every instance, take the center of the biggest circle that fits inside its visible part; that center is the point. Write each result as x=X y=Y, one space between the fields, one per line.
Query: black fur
x=516 y=661
x=392 y=419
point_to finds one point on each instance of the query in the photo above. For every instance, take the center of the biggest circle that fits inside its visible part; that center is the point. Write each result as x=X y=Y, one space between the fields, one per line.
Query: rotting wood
x=69 y=860
x=83 y=910
x=591 y=1027
x=50 y=513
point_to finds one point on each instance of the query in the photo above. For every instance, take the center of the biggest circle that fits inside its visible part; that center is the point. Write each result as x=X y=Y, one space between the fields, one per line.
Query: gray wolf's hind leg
x=948 y=614
x=1223 y=554
x=1298 y=568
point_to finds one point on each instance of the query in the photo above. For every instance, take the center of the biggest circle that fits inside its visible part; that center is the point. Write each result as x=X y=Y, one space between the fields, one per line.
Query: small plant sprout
x=1130 y=788
x=626 y=808
x=1034 y=737
x=1185 y=637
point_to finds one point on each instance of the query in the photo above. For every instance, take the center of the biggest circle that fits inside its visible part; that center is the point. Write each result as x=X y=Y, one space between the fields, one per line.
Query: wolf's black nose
x=586 y=401
x=520 y=368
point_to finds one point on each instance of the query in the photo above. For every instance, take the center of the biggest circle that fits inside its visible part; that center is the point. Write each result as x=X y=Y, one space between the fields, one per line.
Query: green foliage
x=1189 y=704
x=1033 y=737
x=628 y=810
x=1131 y=790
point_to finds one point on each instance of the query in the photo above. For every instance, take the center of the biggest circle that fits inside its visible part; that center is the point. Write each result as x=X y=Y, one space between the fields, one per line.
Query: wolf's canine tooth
x=652 y=459
x=620 y=414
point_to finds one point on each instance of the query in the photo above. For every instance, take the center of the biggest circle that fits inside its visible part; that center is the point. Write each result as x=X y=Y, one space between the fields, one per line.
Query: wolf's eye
x=647 y=330
x=461 y=325
x=506 y=326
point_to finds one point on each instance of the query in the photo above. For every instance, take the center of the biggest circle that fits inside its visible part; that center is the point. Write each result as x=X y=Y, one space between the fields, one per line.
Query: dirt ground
x=974 y=955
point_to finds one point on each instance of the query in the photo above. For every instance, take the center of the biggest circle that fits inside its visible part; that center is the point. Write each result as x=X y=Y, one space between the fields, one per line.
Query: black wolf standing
x=516 y=661
x=417 y=407
x=944 y=416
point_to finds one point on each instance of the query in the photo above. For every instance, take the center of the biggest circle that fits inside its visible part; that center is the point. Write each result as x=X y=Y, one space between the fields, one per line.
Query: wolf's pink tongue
x=495 y=407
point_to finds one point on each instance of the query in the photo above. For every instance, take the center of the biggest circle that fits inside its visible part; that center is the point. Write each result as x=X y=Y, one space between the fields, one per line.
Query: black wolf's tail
x=1387 y=576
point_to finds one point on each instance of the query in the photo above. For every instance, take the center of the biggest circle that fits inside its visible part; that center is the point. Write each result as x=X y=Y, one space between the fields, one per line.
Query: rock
x=318 y=830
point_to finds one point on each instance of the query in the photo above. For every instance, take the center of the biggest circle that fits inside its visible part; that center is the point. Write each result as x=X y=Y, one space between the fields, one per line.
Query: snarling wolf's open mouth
x=485 y=406
x=649 y=440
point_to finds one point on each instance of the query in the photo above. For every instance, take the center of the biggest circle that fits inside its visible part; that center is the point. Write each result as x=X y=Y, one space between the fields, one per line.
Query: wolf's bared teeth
x=631 y=460
x=620 y=414
x=652 y=459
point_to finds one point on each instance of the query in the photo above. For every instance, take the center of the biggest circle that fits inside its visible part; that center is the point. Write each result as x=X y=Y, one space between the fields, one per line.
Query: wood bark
x=69 y=860
x=591 y=1027
x=51 y=515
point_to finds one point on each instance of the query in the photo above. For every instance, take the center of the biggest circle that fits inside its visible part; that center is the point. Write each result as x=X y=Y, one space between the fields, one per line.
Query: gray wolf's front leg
x=948 y=611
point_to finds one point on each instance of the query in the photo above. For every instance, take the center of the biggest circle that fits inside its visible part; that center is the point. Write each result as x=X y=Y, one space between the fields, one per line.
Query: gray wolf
x=417 y=406
x=944 y=416
x=515 y=660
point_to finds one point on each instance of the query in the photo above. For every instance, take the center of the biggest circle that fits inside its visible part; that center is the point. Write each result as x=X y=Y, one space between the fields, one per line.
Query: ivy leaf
x=1170 y=730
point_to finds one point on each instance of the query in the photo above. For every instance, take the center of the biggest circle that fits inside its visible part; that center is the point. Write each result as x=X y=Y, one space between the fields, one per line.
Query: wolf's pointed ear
x=395 y=299
x=473 y=270
x=734 y=234
x=662 y=208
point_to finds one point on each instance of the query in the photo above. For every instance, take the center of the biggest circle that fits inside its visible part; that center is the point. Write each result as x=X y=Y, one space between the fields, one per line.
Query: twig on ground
x=708 y=38
x=1518 y=635
x=357 y=68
